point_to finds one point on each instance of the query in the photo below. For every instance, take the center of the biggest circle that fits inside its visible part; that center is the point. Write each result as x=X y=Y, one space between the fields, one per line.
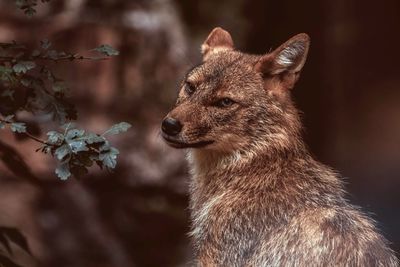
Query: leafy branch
x=75 y=149
x=45 y=53
x=39 y=89
x=28 y=6
x=28 y=83
x=18 y=127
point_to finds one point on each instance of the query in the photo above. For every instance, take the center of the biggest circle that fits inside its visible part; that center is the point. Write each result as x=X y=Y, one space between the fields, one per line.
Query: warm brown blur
x=349 y=92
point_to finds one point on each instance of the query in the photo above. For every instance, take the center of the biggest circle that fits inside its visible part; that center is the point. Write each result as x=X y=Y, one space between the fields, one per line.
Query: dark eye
x=189 y=88
x=225 y=102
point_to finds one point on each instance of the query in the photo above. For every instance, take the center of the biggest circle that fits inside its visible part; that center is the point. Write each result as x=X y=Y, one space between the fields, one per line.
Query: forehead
x=222 y=67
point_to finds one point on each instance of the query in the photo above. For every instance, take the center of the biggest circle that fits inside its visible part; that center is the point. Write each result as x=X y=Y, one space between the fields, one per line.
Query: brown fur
x=257 y=196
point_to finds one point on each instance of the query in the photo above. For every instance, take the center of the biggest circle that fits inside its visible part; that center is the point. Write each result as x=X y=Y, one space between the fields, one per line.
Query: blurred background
x=349 y=93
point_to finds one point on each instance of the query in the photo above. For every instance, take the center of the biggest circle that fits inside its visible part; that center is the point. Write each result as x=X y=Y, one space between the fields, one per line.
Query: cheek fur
x=225 y=117
x=198 y=131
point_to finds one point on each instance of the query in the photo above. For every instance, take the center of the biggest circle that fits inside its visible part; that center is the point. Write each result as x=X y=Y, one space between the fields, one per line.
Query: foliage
x=28 y=83
x=107 y=50
x=28 y=6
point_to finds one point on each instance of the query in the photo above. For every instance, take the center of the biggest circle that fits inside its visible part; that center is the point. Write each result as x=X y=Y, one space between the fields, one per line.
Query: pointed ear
x=217 y=40
x=289 y=57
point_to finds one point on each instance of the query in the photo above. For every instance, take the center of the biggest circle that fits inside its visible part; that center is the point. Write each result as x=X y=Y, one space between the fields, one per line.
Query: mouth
x=179 y=144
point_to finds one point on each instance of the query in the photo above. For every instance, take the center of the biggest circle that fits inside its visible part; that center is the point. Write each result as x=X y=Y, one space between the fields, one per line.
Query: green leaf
x=54 y=137
x=74 y=133
x=118 y=128
x=45 y=149
x=23 y=66
x=92 y=138
x=109 y=158
x=20 y=3
x=18 y=127
x=105 y=147
x=2 y=125
x=9 y=118
x=45 y=44
x=78 y=146
x=5 y=70
x=60 y=87
x=27 y=82
x=62 y=151
x=107 y=50
x=30 y=11
x=63 y=171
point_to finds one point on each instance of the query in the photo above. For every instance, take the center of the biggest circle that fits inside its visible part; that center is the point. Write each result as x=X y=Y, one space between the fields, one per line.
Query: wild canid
x=257 y=197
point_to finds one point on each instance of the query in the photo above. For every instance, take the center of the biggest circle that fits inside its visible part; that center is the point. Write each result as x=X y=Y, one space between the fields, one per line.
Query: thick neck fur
x=260 y=168
x=283 y=172
x=275 y=181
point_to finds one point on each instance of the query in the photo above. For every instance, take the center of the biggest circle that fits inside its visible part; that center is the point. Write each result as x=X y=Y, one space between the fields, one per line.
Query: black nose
x=171 y=126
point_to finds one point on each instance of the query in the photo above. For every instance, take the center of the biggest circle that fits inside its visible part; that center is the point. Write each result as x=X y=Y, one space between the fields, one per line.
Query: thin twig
x=68 y=57
x=35 y=138
x=75 y=57
x=27 y=134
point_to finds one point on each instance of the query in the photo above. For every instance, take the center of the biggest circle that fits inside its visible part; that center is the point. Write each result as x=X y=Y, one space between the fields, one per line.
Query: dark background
x=349 y=93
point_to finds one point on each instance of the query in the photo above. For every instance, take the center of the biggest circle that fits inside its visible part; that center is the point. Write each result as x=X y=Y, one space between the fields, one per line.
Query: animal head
x=234 y=101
